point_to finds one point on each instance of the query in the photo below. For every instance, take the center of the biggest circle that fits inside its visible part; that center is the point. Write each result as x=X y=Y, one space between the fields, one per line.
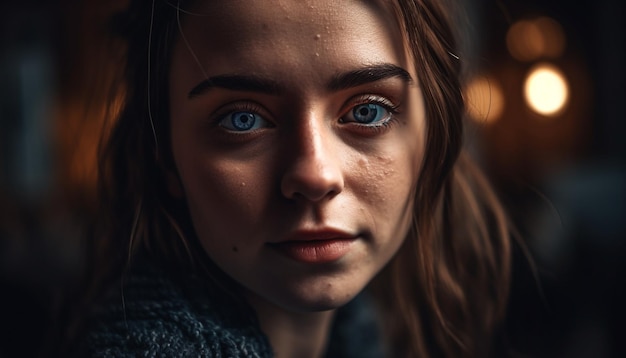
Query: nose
x=314 y=170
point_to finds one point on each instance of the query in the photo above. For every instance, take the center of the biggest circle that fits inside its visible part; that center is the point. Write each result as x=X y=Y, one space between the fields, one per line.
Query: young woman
x=286 y=179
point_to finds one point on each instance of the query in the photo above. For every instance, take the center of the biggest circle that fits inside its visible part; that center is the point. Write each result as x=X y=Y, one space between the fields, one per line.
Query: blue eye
x=368 y=113
x=242 y=121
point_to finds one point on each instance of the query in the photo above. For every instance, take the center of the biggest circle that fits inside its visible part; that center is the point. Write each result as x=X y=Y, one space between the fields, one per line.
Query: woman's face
x=299 y=157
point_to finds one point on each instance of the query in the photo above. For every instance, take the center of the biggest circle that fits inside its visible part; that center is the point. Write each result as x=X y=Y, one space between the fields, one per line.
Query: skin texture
x=306 y=165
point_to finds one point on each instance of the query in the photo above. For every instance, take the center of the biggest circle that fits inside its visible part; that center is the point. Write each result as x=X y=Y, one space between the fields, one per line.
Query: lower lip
x=315 y=251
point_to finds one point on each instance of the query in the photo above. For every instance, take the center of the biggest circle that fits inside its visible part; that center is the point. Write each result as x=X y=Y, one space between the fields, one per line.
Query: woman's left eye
x=370 y=114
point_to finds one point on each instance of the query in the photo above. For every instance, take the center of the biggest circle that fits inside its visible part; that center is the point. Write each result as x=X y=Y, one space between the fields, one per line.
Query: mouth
x=315 y=246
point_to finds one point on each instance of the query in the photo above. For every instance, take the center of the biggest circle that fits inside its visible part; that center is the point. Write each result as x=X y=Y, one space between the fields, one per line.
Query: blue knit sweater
x=160 y=316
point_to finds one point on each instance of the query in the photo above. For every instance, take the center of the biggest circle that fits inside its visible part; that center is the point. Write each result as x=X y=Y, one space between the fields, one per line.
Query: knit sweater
x=156 y=315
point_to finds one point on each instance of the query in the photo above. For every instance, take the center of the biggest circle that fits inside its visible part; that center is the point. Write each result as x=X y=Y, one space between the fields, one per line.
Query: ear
x=174 y=186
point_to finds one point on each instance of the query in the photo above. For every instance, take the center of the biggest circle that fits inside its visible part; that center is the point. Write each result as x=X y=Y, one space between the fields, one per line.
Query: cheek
x=388 y=177
x=385 y=185
x=225 y=198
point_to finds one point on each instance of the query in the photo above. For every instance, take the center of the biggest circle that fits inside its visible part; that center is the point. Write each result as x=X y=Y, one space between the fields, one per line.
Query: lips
x=316 y=246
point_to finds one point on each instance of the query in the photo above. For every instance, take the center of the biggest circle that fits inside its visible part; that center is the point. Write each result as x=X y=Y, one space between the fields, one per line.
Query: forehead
x=301 y=12
x=292 y=35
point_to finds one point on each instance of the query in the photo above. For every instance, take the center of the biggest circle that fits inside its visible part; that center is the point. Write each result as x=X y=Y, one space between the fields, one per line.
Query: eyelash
x=254 y=107
x=244 y=106
x=387 y=104
x=240 y=106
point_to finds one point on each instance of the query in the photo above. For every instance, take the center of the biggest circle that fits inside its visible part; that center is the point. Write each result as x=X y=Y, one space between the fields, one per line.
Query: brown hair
x=449 y=283
x=444 y=292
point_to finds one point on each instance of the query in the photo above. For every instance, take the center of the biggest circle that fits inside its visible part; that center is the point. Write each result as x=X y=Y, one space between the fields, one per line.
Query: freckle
x=235 y=249
x=318 y=36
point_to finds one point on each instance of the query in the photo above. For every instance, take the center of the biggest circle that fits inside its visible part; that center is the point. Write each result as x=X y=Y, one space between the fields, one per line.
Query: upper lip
x=319 y=234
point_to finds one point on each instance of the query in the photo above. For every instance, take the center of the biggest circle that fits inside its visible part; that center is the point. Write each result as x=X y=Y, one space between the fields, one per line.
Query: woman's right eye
x=243 y=121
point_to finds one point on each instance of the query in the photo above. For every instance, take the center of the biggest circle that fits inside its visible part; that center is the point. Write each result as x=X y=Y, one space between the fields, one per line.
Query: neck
x=293 y=334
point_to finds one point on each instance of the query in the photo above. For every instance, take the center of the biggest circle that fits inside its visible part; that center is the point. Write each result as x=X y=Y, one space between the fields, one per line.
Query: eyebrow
x=350 y=79
x=367 y=75
x=237 y=83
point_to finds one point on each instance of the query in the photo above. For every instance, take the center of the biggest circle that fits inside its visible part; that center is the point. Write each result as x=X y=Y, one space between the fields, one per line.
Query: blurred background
x=546 y=94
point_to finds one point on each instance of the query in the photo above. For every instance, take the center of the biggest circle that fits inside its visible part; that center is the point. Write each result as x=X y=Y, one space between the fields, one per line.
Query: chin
x=310 y=292
x=316 y=301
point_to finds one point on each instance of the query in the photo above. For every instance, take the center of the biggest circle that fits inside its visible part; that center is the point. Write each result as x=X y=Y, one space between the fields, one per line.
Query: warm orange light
x=546 y=90
x=484 y=99
x=528 y=40
x=524 y=41
x=553 y=36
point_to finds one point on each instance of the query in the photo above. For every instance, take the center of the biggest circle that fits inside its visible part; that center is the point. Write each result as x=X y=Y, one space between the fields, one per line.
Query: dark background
x=562 y=178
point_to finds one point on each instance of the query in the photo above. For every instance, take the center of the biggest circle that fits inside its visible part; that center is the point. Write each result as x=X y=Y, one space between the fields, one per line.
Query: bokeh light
x=546 y=90
x=529 y=40
x=484 y=99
